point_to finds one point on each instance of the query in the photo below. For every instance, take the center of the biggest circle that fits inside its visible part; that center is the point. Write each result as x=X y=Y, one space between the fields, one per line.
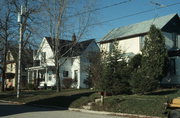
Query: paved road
x=23 y=111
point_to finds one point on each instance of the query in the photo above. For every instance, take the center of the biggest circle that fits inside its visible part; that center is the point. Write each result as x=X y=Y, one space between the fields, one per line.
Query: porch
x=41 y=74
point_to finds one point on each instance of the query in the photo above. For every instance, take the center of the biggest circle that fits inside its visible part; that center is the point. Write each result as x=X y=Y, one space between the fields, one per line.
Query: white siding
x=130 y=45
x=49 y=54
x=84 y=62
x=104 y=47
x=178 y=42
x=45 y=47
x=66 y=66
x=76 y=66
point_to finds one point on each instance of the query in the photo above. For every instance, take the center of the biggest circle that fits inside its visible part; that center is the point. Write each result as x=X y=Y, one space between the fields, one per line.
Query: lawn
x=65 y=98
x=150 y=104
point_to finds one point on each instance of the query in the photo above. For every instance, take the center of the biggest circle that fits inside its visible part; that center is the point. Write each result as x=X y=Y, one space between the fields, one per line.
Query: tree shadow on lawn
x=61 y=101
x=164 y=92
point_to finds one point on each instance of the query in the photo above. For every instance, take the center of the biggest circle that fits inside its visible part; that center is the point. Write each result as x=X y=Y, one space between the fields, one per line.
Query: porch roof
x=38 y=67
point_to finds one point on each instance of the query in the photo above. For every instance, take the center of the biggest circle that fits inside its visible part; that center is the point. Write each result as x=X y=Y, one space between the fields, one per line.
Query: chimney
x=74 y=37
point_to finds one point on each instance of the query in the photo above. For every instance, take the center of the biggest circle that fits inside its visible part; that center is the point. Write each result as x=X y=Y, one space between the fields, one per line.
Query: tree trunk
x=58 y=81
x=4 y=66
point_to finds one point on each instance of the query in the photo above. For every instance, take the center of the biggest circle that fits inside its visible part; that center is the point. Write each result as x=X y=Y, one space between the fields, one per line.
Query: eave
x=123 y=38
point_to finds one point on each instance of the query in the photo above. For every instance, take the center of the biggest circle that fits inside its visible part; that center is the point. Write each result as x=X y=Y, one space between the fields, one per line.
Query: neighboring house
x=11 y=66
x=131 y=40
x=73 y=64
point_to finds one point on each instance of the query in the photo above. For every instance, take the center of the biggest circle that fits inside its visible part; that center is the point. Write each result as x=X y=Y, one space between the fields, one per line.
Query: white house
x=73 y=64
x=131 y=40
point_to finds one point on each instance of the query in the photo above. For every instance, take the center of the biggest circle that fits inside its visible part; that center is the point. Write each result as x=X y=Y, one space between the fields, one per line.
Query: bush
x=141 y=83
x=31 y=87
x=88 y=82
x=67 y=82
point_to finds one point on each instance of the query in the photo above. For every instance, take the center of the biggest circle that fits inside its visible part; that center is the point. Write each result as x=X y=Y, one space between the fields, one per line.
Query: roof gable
x=138 y=28
x=69 y=48
x=27 y=59
x=80 y=47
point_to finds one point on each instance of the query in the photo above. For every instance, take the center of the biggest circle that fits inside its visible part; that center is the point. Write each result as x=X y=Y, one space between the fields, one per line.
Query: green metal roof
x=138 y=28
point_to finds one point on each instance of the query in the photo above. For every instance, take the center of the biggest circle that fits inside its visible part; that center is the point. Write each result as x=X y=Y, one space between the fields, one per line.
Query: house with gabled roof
x=11 y=66
x=73 y=60
x=131 y=40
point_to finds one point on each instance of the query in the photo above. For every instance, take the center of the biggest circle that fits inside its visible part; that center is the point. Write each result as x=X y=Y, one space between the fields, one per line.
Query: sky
x=157 y=8
x=124 y=14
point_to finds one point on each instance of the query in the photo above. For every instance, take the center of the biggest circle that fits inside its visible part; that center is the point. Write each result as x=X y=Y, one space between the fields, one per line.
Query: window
x=72 y=61
x=111 y=46
x=65 y=73
x=75 y=75
x=50 y=78
x=174 y=38
x=11 y=67
x=43 y=57
x=172 y=66
x=141 y=42
x=178 y=42
x=8 y=56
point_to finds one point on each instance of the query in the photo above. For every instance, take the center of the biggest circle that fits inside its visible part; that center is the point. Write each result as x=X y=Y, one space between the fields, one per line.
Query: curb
x=96 y=112
x=12 y=102
x=83 y=110
x=112 y=113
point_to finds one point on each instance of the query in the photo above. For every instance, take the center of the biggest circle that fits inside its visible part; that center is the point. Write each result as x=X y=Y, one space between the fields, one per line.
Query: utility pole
x=20 y=18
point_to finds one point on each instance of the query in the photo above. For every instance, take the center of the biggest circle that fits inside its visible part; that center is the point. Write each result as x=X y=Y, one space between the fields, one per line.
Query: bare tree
x=64 y=18
x=9 y=26
x=6 y=32
x=30 y=20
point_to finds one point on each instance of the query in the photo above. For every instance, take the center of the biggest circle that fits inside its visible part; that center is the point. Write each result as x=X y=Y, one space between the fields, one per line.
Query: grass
x=66 y=98
x=151 y=104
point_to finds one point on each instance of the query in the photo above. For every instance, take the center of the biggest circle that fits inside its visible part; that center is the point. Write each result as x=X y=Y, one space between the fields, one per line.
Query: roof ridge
x=86 y=40
x=147 y=20
x=138 y=28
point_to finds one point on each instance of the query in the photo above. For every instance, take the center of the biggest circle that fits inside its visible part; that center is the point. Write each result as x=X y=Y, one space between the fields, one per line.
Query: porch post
x=32 y=77
x=37 y=78
x=28 y=76
x=46 y=75
x=37 y=74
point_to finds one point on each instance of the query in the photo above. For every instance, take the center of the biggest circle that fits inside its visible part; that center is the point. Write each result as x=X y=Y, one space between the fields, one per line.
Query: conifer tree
x=154 y=56
x=114 y=77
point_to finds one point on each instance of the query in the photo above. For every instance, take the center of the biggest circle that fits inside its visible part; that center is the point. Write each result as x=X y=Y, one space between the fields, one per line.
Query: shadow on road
x=62 y=101
x=59 y=101
x=10 y=109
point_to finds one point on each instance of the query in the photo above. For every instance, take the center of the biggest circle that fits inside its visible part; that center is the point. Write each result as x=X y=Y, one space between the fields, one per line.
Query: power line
x=130 y=15
x=101 y=8
x=134 y=14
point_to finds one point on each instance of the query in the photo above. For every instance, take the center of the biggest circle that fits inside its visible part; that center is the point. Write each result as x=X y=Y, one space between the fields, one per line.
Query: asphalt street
x=8 y=110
